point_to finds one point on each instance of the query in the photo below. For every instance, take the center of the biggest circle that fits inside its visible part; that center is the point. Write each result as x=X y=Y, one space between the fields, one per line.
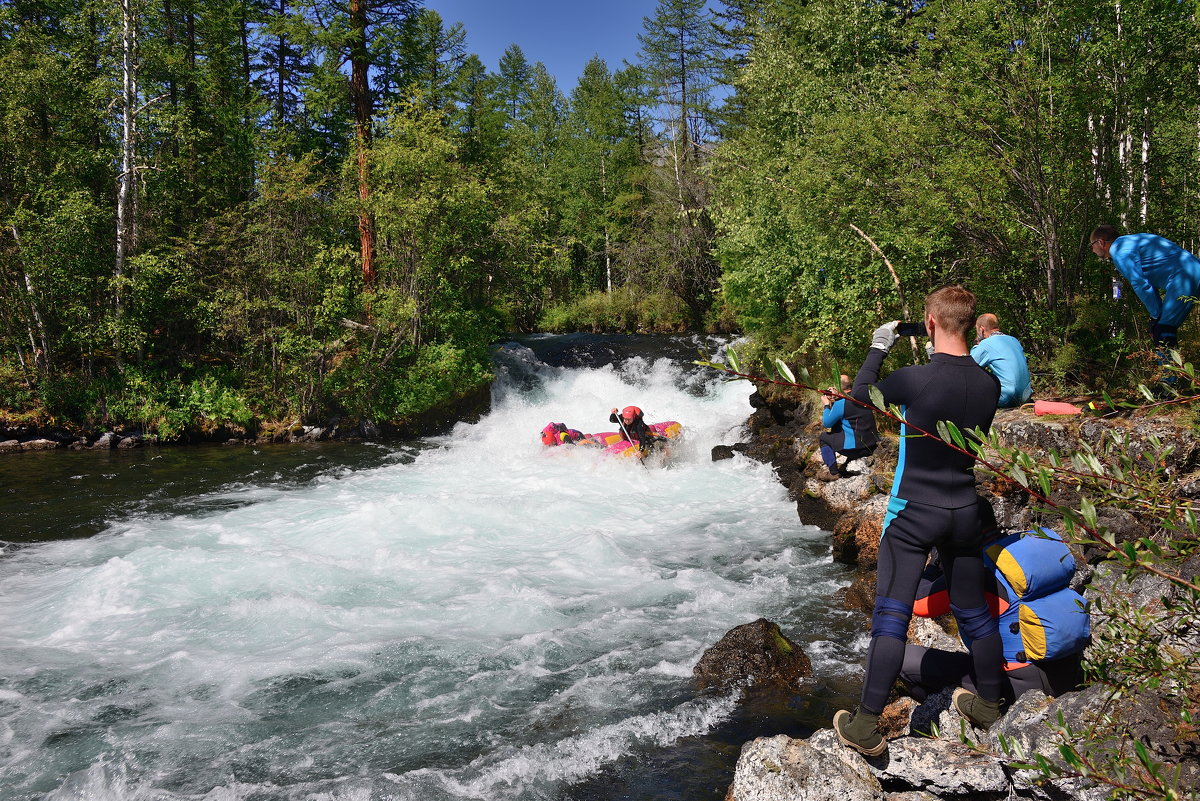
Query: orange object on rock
x=1041 y=407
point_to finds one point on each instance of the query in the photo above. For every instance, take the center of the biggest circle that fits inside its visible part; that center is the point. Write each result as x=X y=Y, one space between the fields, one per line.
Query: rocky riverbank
x=933 y=753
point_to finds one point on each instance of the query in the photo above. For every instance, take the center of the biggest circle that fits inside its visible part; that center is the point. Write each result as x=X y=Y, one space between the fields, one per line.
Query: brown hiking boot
x=827 y=475
x=860 y=732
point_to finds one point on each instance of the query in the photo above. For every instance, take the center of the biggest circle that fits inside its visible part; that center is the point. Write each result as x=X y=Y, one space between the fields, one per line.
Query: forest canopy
x=241 y=210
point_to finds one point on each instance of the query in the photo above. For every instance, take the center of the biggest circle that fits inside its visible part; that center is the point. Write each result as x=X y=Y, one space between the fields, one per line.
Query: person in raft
x=1044 y=624
x=850 y=431
x=933 y=504
x=633 y=427
x=558 y=434
x=1153 y=264
x=1003 y=356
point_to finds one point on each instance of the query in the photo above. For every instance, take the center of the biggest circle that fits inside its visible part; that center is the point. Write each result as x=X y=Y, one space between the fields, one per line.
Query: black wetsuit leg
x=927 y=670
x=910 y=531
x=831 y=444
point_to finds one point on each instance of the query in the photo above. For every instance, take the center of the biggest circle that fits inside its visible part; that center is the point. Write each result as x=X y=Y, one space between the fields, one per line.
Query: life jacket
x=1041 y=617
x=558 y=434
x=1038 y=614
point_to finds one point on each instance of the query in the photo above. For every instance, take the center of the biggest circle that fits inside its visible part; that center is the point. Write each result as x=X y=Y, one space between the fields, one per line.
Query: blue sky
x=562 y=34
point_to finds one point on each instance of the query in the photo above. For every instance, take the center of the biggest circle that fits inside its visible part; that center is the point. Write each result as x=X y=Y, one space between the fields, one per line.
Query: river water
x=463 y=617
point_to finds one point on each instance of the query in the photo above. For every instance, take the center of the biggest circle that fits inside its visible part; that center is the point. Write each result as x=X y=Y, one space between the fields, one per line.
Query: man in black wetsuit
x=932 y=504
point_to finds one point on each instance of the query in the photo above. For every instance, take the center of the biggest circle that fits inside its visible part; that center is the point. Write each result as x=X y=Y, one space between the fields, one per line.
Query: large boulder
x=754 y=653
x=782 y=769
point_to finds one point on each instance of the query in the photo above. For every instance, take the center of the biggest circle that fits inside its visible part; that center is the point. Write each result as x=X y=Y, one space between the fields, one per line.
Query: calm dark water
x=55 y=495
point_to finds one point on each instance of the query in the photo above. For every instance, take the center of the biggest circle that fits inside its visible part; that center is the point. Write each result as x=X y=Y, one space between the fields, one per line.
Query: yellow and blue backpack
x=1042 y=617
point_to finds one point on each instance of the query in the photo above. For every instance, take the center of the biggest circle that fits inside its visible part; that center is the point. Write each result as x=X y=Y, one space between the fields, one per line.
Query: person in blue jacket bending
x=850 y=431
x=1005 y=358
x=1153 y=264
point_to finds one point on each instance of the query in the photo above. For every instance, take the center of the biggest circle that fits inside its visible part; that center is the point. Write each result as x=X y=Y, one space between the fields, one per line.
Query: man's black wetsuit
x=932 y=503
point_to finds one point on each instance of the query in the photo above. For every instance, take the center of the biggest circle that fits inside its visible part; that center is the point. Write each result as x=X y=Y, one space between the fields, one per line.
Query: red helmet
x=631 y=413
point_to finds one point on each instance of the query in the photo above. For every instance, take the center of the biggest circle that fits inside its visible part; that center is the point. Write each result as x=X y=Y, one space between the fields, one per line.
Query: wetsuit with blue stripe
x=852 y=432
x=932 y=504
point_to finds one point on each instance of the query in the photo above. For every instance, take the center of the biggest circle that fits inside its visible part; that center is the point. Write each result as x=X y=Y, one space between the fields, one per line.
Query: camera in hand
x=912 y=330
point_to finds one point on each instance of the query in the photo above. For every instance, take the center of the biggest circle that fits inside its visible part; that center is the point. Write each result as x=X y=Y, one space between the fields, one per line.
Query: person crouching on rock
x=850 y=432
x=933 y=503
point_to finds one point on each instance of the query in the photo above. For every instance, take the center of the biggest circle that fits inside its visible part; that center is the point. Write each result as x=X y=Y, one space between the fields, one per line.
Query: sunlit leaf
x=1020 y=476
x=877 y=397
x=784 y=371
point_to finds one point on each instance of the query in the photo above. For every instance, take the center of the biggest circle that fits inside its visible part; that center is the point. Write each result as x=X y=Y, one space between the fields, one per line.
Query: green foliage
x=629 y=308
x=976 y=143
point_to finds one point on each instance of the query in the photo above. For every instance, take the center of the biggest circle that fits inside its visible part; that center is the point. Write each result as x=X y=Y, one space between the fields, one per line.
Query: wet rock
x=860 y=595
x=782 y=769
x=39 y=445
x=782 y=405
x=130 y=442
x=107 y=441
x=309 y=434
x=10 y=446
x=722 y=452
x=755 y=652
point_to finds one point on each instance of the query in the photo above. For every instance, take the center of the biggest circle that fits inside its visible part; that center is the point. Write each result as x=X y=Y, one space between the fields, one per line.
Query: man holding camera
x=933 y=503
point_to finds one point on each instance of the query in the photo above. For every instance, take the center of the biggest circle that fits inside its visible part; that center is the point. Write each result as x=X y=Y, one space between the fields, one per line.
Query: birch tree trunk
x=604 y=206
x=41 y=355
x=1144 y=204
x=126 y=179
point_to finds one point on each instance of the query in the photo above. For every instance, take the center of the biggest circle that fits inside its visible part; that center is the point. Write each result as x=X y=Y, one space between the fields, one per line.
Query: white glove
x=885 y=336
